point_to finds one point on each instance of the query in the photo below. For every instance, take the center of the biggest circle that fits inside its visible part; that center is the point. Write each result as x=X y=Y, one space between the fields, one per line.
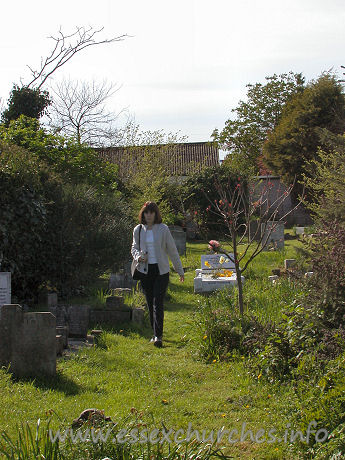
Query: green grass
x=171 y=383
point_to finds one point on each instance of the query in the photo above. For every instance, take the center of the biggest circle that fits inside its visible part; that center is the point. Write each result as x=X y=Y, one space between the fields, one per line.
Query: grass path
x=171 y=383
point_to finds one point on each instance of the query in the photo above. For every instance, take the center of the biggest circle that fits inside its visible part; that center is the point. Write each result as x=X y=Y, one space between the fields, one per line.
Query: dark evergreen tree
x=297 y=136
x=31 y=102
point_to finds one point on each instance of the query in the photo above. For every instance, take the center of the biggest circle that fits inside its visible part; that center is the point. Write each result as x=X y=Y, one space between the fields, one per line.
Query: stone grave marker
x=276 y=237
x=5 y=288
x=203 y=281
x=27 y=341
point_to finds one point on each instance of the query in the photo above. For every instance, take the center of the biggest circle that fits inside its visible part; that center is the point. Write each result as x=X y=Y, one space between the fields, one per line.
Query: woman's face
x=149 y=217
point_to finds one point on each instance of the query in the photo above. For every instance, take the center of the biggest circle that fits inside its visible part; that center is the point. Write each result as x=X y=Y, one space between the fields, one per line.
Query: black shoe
x=158 y=342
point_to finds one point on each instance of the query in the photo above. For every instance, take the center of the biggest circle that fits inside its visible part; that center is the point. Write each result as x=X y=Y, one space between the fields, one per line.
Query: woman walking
x=151 y=258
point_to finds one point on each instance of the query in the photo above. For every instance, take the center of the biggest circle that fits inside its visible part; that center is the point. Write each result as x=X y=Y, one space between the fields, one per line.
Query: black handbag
x=137 y=275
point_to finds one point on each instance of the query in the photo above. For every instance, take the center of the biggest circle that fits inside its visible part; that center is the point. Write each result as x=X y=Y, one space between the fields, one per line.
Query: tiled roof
x=179 y=159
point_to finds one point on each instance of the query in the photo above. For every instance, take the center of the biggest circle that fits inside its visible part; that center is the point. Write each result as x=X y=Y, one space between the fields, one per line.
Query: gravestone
x=203 y=281
x=192 y=230
x=27 y=341
x=116 y=302
x=276 y=238
x=138 y=316
x=52 y=299
x=63 y=331
x=5 y=288
x=110 y=317
x=273 y=278
x=179 y=237
x=300 y=230
x=78 y=320
x=122 y=278
x=254 y=230
x=288 y=263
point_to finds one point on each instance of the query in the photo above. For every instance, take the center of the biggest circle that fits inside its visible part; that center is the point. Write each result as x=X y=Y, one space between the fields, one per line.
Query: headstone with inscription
x=205 y=280
x=5 y=288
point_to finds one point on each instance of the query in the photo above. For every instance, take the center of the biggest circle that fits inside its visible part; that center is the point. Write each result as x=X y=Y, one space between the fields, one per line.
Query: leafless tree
x=236 y=206
x=65 y=47
x=79 y=110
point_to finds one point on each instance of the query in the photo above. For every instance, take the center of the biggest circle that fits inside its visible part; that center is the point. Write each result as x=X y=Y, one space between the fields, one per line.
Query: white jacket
x=164 y=245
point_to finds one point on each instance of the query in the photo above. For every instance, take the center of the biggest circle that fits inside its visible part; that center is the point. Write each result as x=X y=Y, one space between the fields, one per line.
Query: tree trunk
x=240 y=289
x=238 y=272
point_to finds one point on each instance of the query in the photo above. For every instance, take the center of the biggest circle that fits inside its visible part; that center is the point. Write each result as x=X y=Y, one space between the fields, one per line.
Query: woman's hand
x=182 y=278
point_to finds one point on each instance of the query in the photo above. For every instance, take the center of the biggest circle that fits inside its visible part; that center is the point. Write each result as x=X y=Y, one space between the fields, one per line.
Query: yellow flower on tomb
x=221 y=259
x=207 y=263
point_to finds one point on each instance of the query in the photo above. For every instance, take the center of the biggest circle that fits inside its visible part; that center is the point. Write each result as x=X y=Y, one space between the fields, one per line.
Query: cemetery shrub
x=311 y=327
x=75 y=163
x=321 y=398
x=326 y=180
x=54 y=233
x=224 y=333
x=314 y=323
x=93 y=233
x=23 y=220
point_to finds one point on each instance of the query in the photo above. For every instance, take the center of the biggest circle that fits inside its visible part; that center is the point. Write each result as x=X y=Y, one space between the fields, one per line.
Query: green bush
x=73 y=162
x=206 y=182
x=55 y=233
x=323 y=400
x=223 y=333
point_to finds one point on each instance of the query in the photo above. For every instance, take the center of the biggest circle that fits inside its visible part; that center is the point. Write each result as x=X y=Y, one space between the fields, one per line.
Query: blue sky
x=186 y=63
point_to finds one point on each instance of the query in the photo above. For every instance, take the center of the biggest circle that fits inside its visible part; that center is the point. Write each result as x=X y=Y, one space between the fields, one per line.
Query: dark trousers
x=154 y=288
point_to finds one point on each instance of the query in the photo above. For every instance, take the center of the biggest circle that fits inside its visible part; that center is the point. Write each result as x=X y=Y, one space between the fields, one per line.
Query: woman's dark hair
x=152 y=207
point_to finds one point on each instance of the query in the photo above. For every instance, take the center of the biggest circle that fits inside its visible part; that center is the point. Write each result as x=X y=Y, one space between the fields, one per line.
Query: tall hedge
x=53 y=232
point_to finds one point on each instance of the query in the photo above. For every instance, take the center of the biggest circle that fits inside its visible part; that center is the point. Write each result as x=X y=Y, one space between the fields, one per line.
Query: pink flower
x=214 y=245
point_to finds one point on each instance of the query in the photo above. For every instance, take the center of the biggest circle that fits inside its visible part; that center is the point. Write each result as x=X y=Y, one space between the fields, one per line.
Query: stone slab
x=202 y=284
x=288 y=263
x=300 y=230
x=110 y=317
x=213 y=260
x=276 y=238
x=59 y=344
x=122 y=291
x=138 y=315
x=52 y=299
x=63 y=331
x=5 y=288
x=116 y=302
x=122 y=280
x=78 y=320
x=27 y=341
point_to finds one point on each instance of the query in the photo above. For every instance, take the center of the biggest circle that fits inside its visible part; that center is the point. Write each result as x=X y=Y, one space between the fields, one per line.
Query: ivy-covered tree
x=244 y=135
x=31 y=102
x=296 y=138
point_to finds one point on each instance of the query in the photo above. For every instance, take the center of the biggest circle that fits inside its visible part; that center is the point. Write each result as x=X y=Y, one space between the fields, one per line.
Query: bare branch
x=64 y=50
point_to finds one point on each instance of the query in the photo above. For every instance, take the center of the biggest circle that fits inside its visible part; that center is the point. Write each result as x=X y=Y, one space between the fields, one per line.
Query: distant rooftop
x=180 y=159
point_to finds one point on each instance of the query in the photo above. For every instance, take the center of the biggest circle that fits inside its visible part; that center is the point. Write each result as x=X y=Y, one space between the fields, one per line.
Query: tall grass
x=104 y=441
